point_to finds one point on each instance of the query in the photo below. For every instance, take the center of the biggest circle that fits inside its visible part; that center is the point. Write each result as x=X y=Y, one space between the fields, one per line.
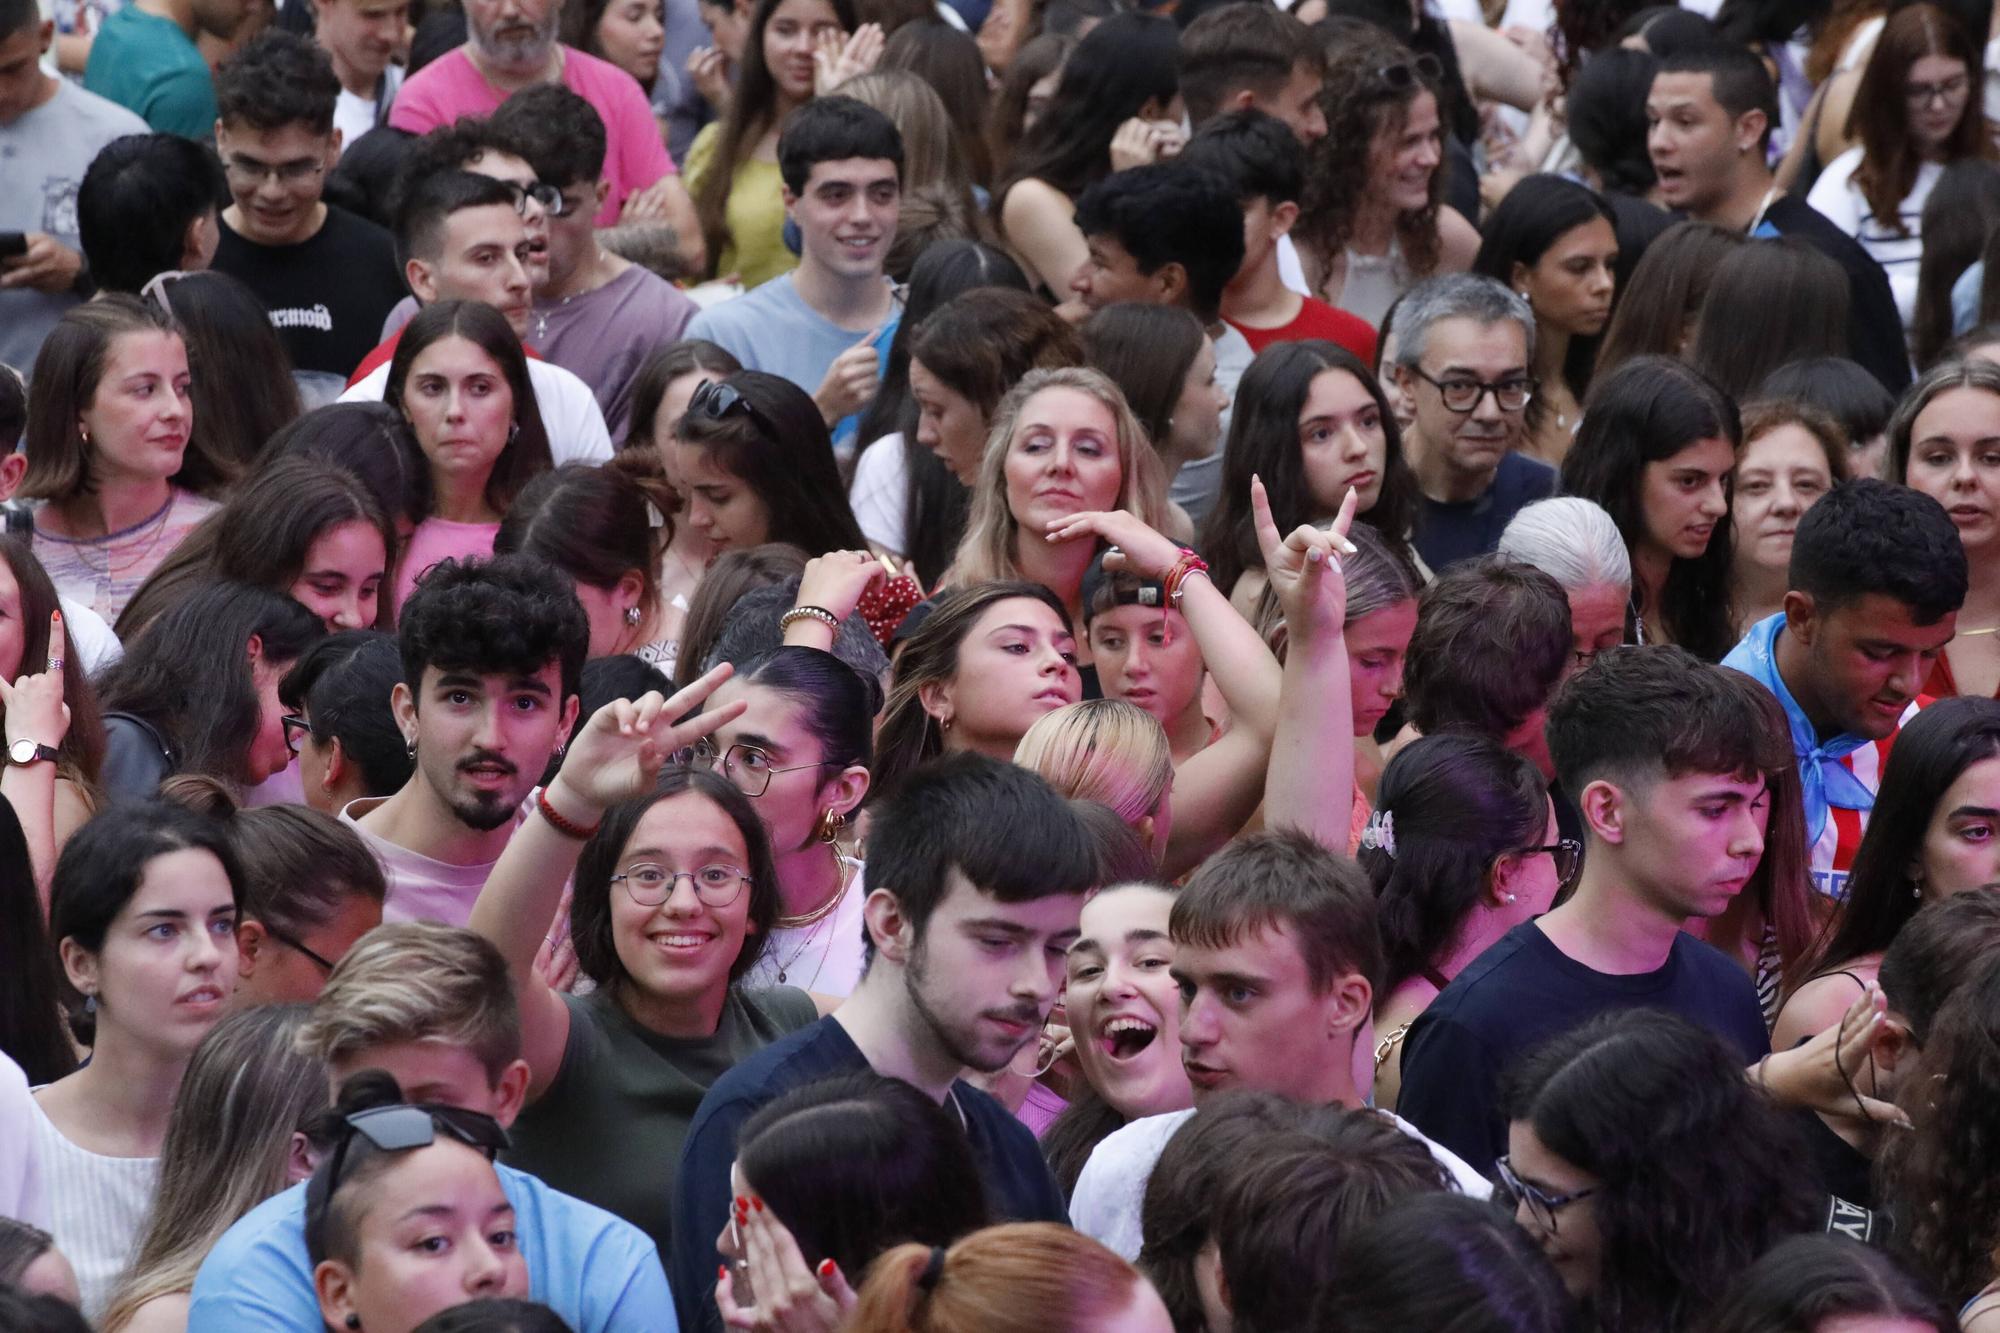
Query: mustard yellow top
x=755 y=213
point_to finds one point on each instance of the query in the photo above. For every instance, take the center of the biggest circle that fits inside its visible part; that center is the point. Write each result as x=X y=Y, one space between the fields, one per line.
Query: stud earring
x=1511 y=897
x=632 y=616
x=353 y=1321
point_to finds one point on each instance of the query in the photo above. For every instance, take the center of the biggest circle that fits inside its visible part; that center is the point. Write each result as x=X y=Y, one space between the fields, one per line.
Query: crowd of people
x=994 y=666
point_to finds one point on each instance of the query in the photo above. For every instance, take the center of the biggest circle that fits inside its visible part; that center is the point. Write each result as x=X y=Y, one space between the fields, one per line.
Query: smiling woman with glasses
x=674 y=896
x=1648 y=1167
x=1463 y=847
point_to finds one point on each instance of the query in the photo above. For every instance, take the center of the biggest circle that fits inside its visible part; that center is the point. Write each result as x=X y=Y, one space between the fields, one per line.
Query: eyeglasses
x=650 y=885
x=296 y=946
x=1542 y=1205
x=1407 y=73
x=1462 y=394
x=1923 y=95
x=155 y=289
x=745 y=765
x=245 y=172
x=541 y=192
x=296 y=731
x=715 y=400
x=405 y=1127
x=1568 y=856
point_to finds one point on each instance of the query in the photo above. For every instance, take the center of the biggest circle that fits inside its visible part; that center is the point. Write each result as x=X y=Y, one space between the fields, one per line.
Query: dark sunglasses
x=713 y=400
x=405 y=1127
x=1408 y=73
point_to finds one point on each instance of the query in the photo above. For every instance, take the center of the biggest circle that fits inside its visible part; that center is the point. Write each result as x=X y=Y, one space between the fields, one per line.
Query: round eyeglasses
x=650 y=885
x=748 y=767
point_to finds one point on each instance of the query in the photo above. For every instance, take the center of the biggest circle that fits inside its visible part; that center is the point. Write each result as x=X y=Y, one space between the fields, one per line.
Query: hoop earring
x=513 y=432
x=829 y=825
x=410 y=747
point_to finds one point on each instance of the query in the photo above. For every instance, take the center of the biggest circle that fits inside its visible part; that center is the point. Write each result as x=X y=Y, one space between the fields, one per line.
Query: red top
x=386 y=350
x=1317 y=319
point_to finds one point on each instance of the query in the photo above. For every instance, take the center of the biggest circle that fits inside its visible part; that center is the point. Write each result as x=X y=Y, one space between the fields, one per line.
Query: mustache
x=1028 y=1014
x=488 y=759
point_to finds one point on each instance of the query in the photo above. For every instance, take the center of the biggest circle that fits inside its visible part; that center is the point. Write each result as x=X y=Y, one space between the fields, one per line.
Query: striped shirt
x=103 y=572
x=1897 y=243
x=1833 y=851
x=97 y=1206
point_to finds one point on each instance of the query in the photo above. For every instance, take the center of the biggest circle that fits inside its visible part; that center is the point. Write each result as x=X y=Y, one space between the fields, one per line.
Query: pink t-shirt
x=634 y=156
x=436 y=539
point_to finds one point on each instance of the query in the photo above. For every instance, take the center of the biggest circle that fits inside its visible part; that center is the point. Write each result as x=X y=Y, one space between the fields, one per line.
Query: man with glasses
x=1464 y=346
x=1710 y=114
x=469 y=235
x=1668 y=759
x=328 y=277
x=595 y=314
x=492 y=656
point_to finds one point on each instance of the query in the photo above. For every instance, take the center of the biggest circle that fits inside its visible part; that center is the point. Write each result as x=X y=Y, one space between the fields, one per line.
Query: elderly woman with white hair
x=1578 y=545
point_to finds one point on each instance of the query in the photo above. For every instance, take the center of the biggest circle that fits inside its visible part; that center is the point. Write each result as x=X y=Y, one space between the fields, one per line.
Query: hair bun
x=201 y=793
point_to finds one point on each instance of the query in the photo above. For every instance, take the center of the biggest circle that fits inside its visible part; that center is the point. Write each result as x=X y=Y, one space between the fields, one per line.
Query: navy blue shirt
x=1524 y=991
x=1019 y=1185
x=1449 y=532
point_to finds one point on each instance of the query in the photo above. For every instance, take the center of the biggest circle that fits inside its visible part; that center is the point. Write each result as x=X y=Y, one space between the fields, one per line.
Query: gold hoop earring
x=828 y=828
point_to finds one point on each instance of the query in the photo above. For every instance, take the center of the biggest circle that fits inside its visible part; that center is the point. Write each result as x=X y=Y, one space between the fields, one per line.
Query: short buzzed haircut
x=19 y=16
x=1483 y=300
x=1639 y=713
x=1253 y=45
x=1277 y=878
x=1737 y=78
x=429 y=203
x=417 y=981
x=1491 y=642
x=279 y=79
x=1872 y=536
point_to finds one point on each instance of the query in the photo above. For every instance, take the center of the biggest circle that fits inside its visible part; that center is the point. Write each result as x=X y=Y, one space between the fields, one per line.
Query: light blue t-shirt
x=771 y=328
x=600 y=1273
x=1965 y=298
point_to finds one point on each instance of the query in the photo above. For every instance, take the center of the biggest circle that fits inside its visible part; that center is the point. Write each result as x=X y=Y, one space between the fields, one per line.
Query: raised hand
x=1140 y=550
x=709 y=69
x=836 y=60
x=837 y=580
x=851 y=381
x=1304 y=568
x=789 y=1297
x=33 y=703
x=620 y=751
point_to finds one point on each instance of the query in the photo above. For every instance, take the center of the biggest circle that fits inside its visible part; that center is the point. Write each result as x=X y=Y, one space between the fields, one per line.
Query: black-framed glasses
x=296 y=731
x=541 y=192
x=1922 y=95
x=1568 y=856
x=714 y=400
x=297 y=945
x=406 y=1126
x=559 y=204
x=1407 y=73
x=1542 y=1205
x=651 y=885
x=1461 y=394
x=748 y=767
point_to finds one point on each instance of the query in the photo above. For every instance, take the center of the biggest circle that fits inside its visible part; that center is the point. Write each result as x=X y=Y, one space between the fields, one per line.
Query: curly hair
x=510 y=614
x=1695 y=1168
x=590 y=926
x=1361 y=105
x=1937 y=1180
x=279 y=79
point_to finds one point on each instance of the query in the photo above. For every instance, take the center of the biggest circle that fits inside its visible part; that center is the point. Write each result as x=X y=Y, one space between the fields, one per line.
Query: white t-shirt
x=95 y=646
x=1900 y=253
x=825 y=957
x=880 y=495
x=570 y=413
x=1112 y=1188
x=354 y=116
x=23 y=1194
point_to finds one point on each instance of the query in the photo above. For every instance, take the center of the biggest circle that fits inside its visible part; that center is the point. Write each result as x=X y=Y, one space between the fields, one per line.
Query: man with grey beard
x=511 y=45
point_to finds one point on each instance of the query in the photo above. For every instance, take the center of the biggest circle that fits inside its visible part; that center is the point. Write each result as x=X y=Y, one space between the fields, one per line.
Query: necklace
x=811 y=922
x=562 y=302
x=158 y=522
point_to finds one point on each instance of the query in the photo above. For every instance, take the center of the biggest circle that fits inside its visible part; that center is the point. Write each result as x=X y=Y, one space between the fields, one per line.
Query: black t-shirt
x=1019 y=1185
x=1874 y=329
x=328 y=295
x=1449 y=532
x=1523 y=991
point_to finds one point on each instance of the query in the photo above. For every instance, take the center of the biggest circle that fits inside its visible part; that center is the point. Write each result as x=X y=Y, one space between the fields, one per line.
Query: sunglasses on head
x=404 y=1127
x=714 y=400
x=1409 y=73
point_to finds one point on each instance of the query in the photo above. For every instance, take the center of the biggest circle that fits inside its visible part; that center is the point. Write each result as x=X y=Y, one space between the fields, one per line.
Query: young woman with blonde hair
x=1025 y=1277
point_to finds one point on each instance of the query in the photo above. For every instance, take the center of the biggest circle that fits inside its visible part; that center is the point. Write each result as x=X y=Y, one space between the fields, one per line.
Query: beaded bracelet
x=819 y=613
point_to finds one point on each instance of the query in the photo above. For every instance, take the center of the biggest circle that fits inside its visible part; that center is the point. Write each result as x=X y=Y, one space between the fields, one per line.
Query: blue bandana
x=1826 y=780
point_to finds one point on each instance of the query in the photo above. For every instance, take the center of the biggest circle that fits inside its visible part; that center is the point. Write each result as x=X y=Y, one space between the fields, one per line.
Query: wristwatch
x=26 y=751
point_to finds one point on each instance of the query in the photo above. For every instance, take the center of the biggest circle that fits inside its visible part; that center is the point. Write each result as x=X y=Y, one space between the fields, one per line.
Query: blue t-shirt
x=1523 y=991
x=771 y=328
x=1459 y=530
x=1019 y=1185
x=598 y=1272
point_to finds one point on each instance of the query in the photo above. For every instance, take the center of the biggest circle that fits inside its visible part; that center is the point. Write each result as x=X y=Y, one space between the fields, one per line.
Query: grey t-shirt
x=771 y=328
x=1199 y=481
x=609 y=1130
x=43 y=154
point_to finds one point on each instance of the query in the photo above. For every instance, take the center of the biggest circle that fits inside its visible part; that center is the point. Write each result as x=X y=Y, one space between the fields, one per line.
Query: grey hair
x=1470 y=296
x=1572 y=540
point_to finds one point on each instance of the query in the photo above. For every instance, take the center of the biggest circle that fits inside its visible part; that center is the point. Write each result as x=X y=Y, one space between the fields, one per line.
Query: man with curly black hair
x=328 y=277
x=492 y=660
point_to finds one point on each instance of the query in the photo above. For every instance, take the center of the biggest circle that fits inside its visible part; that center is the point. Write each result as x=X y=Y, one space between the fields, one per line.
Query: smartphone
x=13 y=244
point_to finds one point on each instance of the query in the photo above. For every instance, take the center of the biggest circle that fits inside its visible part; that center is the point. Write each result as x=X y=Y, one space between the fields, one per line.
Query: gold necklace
x=825 y=909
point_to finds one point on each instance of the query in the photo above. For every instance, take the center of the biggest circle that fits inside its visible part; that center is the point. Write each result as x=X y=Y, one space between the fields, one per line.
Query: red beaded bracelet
x=569 y=828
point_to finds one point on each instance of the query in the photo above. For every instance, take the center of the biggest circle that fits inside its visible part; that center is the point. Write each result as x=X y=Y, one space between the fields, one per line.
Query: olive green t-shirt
x=609 y=1129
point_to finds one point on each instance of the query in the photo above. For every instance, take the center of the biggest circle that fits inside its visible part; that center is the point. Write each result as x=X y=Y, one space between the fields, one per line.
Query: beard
x=477 y=809
x=953 y=1037
x=517 y=50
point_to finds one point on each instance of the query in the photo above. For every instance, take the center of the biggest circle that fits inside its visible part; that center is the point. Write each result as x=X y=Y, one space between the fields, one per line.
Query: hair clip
x=1380 y=833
